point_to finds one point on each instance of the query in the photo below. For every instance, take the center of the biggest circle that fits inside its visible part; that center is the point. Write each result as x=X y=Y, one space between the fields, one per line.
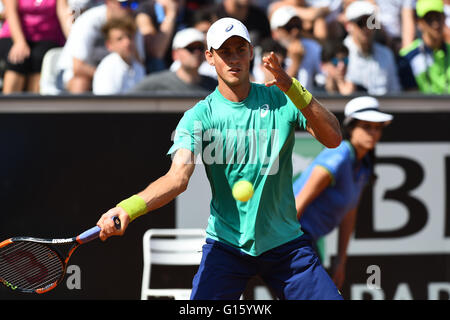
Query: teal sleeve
x=188 y=134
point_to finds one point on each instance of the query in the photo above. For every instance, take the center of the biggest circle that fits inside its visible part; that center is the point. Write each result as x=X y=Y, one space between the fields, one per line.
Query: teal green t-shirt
x=250 y=140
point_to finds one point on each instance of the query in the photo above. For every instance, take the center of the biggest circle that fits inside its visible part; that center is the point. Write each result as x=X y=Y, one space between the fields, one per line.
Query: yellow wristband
x=299 y=95
x=135 y=206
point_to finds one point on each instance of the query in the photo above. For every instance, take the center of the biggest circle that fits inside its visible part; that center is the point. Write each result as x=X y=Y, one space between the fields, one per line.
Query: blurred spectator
x=202 y=19
x=120 y=70
x=268 y=45
x=33 y=27
x=425 y=64
x=328 y=26
x=303 y=54
x=397 y=22
x=313 y=16
x=77 y=7
x=189 y=49
x=250 y=15
x=262 y=4
x=85 y=46
x=158 y=21
x=447 y=20
x=371 y=65
x=2 y=13
x=2 y=60
x=334 y=68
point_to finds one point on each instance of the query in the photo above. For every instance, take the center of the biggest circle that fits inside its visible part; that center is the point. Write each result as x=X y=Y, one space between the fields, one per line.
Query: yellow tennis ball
x=242 y=190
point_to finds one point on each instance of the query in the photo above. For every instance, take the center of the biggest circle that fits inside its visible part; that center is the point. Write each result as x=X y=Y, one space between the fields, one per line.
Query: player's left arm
x=321 y=123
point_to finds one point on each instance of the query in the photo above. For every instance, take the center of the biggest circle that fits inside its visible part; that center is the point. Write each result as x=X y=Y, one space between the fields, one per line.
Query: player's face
x=232 y=61
x=122 y=42
x=366 y=135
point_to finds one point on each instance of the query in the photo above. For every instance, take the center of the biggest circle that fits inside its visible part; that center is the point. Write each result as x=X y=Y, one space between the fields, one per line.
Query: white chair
x=178 y=247
x=49 y=73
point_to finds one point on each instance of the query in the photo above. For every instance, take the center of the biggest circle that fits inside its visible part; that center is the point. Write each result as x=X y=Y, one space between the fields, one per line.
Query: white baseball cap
x=365 y=108
x=185 y=37
x=223 y=29
x=359 y=9
x=282 y=16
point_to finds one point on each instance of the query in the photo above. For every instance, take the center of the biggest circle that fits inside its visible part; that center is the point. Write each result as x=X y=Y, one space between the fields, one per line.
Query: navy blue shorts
x=292 y=270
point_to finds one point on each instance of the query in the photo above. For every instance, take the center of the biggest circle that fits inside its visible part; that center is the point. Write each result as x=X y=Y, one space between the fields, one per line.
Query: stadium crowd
x=128 y=46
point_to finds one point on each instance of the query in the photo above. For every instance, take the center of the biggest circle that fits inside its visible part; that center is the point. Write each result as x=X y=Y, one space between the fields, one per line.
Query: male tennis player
x=239 y=120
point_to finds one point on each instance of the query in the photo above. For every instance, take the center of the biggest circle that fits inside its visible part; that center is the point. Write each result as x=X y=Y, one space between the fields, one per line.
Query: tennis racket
x=35 y=265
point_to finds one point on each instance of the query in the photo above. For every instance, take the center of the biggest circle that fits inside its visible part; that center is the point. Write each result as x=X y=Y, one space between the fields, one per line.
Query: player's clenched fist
x=281 y=79
x=106 y=223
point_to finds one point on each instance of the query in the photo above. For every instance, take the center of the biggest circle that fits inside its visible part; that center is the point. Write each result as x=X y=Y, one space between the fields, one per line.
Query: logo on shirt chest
x=264 y=110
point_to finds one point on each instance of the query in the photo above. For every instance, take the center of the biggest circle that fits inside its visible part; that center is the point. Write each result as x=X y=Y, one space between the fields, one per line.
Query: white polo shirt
x=115 y=76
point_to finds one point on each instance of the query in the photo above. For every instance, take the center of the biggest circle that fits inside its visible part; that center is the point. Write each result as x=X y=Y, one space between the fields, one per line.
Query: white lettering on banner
x=402 y=292
x=436 y=288
x=397 y=192
x=374 y=280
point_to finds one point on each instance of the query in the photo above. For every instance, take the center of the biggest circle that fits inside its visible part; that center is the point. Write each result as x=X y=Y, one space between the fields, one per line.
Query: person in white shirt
x=120 y=70
x=396 y=18
x=371 y=66
x=85 y=47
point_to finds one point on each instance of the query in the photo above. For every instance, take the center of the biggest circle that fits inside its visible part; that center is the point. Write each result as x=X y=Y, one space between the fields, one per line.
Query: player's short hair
x=126 y=23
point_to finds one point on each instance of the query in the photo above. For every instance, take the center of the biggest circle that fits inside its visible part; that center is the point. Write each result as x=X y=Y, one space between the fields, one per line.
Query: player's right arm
x=321 y=123
x=156 y=195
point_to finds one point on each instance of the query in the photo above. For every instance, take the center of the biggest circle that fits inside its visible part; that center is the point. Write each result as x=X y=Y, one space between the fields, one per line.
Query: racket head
x=30 y=265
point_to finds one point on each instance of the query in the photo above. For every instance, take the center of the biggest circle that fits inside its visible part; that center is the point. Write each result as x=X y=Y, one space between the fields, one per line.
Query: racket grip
x=94 y=232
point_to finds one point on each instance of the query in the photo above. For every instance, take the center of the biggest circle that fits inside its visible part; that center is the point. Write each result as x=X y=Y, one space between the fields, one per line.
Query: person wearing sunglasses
x=328 y=191
x=334 y=68
x=371 y=65
x=188 y=49
x=425 y=64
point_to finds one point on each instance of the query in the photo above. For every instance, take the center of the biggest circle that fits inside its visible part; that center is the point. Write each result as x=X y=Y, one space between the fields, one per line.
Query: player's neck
x=234 y=93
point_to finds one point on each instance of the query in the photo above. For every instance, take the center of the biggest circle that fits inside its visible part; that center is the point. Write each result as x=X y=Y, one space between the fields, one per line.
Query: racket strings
x=29 y=265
